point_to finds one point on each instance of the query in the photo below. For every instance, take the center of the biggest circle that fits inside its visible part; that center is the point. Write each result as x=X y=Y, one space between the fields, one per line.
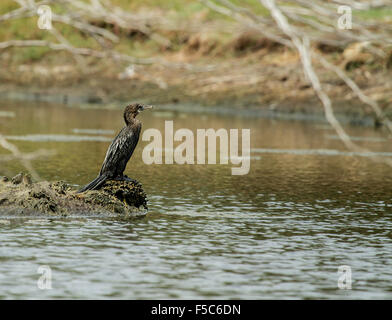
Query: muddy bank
x=256 y=78
x=347 y=112
x=20 y=197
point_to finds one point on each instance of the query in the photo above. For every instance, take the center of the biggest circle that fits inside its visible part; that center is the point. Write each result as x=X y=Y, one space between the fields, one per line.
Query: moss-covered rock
x=19 y=196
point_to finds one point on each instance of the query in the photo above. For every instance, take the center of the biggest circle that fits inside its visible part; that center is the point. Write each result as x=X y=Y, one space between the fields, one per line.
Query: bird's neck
x=129 y=118
x=132 y=122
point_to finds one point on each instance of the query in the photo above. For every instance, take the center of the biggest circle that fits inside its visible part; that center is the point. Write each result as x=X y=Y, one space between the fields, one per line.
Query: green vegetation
x=177 y=11
x=381 y=14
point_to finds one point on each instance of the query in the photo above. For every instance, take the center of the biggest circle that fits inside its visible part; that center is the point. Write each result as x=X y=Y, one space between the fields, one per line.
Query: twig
x=303 y=49
x=94 y=53
x=24 y=158
x=310 y=28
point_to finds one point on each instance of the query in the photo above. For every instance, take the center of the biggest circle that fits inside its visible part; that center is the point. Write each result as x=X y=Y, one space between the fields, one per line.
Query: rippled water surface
x=306 y=207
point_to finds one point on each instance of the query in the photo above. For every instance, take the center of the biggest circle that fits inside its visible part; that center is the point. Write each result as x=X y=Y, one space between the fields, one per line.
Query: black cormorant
x=121 y=149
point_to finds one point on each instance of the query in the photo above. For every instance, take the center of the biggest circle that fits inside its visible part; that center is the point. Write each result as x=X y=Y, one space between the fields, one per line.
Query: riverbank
x=263 y=83
x=209 y=61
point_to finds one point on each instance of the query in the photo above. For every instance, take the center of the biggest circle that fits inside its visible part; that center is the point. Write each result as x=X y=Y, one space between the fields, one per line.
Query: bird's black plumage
x=121 y=149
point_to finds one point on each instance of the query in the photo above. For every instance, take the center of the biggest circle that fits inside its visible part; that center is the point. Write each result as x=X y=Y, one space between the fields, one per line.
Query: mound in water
x=19 y=196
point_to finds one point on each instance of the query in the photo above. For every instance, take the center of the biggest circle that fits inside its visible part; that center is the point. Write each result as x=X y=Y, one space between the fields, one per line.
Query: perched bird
x=120 y=150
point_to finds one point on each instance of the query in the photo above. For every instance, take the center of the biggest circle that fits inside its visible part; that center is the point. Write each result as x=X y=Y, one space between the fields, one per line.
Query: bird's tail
x=95 y=184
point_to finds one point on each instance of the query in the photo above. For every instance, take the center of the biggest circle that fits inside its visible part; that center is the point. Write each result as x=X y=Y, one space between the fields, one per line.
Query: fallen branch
x=319 y=29
x=81 y=16
x=303 y=48
x=97 y=54
x=24 y=158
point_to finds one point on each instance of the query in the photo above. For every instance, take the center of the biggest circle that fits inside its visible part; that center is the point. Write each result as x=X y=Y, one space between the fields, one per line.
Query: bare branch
x=303 y=49
x=24 y=158
x=322 y=29
x=81 y=20
x=95 y=53
x=358 y=92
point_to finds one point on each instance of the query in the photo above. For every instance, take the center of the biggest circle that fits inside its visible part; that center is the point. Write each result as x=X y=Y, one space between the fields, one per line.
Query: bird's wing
x=123 y=141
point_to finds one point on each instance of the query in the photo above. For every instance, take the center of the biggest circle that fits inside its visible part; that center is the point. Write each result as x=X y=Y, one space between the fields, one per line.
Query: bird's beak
x=146 y=107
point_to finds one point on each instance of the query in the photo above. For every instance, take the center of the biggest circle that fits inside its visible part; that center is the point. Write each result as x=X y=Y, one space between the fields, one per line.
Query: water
x=280 y=232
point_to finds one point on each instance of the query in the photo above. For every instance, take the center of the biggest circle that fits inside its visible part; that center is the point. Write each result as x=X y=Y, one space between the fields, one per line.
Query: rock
x=22 y=197
x=21 y=178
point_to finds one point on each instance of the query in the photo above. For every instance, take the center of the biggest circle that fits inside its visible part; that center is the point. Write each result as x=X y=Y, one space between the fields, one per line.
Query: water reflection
x=56 y=138
x=322 y=152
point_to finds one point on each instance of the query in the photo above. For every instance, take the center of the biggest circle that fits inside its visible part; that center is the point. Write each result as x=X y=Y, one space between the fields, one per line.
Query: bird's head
x=132 y=110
